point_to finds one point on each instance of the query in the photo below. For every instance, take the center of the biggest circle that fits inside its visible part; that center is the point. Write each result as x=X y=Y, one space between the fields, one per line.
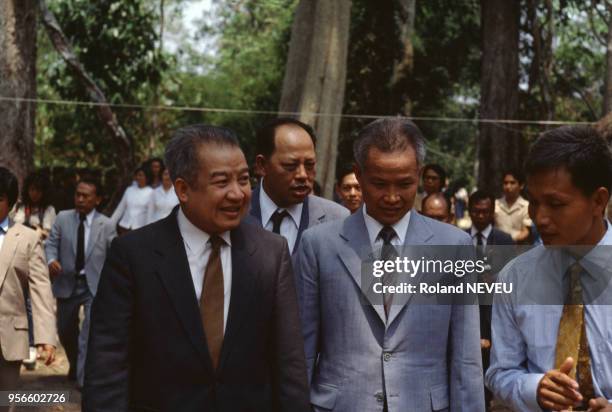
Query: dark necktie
x=572 y=339
x=277 y=219
x=388 y=252
x=211 y=301
x=479 y=243
x=80 y=255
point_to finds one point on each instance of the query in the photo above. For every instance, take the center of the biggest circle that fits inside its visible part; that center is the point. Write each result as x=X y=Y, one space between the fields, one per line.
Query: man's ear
x=181 y=188
x=601 y=197
x=260 y=165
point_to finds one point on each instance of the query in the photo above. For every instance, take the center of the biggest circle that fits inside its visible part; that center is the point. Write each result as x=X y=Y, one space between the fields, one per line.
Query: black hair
x=479 y=195
x=437 y=169
x=41 y=182
x=91 y=179
x=9 y=186
x=264 y=139
x=515 y=173
x=580 y=150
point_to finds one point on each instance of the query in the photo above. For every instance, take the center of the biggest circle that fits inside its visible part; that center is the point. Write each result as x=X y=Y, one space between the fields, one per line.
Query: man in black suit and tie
x=198 y=312
x=286 y=161
x=481 y=207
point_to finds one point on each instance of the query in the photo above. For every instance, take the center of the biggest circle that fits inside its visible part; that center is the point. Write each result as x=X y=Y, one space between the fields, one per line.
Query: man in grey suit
x=286 y=161
x=76 y=250
x=372 y=357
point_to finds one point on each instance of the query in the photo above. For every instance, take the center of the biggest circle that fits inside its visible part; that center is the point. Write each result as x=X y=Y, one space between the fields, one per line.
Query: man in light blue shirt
x=569 y=175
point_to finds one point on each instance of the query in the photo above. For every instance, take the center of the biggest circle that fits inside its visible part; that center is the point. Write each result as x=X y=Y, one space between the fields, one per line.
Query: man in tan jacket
x=22 y=265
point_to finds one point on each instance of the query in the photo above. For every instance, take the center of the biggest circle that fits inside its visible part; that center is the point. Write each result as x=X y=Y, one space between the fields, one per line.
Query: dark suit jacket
x=316 y=210
x=495 y=238
x=147 y=348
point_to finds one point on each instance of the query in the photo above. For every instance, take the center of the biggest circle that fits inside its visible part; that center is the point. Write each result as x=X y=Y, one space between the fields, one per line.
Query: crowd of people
x=199 y=293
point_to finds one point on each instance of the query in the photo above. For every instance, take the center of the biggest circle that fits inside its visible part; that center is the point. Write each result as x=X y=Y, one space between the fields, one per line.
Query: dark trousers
x=73 y=339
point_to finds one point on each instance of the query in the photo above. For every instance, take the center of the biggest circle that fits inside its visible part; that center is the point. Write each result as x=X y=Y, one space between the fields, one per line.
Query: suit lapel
x=358 y=253
x=244 y=273
x=417 y=234
x=175 y=275
x=9 y=246
x=94 y=232
x=304 y=222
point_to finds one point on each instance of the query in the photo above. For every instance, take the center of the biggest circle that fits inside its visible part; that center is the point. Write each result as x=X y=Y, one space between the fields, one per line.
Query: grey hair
x=389 y=135
x=181 y=156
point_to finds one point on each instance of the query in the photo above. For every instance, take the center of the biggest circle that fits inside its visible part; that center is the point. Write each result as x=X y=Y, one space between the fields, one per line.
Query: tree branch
x=124 y=158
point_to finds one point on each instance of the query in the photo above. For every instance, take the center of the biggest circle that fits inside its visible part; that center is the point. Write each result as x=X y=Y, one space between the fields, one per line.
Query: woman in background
x=163 y=199
x=155 y=167
x=35 y=210
x=131 y=213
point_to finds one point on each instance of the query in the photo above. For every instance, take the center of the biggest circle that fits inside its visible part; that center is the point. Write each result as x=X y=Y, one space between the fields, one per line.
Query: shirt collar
x=88 y=218
x=518 y=204
x=194 y=237
x=374 y=226
x=268 y=207
x=4 y=225
x=485 y=232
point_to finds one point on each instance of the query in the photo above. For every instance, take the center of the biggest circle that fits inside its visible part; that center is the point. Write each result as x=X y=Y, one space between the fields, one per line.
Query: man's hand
x=55 y=268
x=46 y=352
x=485 y=343
x=600 y=405
x=557 y=391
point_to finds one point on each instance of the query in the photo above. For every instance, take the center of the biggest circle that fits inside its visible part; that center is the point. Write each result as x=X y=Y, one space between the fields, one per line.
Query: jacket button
x=379 y=397
x=386 y=356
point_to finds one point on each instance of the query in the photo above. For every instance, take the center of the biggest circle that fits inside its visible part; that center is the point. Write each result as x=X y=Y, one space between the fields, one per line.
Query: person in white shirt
x=131 y=213
x=163 y=199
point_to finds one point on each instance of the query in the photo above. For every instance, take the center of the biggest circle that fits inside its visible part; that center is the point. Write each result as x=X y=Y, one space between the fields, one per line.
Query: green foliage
x=246 y=73
x=116 y=43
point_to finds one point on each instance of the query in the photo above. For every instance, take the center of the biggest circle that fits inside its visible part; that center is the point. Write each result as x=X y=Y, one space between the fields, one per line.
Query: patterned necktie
x=572 y=338
x=388 y=252
x=211 y=301
x=277 y=219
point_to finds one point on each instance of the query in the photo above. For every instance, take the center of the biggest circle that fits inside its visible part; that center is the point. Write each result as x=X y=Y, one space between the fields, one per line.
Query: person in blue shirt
x=552 y=337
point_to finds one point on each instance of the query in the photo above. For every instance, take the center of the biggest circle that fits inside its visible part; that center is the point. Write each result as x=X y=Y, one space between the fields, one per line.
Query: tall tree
x=607 y=100
x=499 y=146
x=403 y=66
x=315 y=76
x=17 y=80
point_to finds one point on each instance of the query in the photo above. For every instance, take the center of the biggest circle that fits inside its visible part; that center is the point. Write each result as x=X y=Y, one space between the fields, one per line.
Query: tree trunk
x=124 y=158
x=607 y=101
x=315 y=76
x=403 y=67
x=499 y=146
x=17 y=80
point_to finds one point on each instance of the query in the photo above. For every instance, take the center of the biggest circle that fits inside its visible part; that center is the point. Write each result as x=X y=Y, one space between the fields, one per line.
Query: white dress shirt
x=485 y=235
x=374 y=227
x=198 y=251
x=3 y=229
x=131 y=213
x=161 y=204
x=289 y=227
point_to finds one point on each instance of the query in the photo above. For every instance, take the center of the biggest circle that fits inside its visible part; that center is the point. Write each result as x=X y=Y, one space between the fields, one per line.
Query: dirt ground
x=52 y=377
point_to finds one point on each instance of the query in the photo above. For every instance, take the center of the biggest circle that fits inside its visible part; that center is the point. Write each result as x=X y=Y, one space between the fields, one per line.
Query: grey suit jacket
x=426 y=357
x=62 y=246
x=316 y=210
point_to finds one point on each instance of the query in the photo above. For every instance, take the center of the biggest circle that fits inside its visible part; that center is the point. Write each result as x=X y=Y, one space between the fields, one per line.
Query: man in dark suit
x=283 y=202
x=481 y=207
x=198 y=312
